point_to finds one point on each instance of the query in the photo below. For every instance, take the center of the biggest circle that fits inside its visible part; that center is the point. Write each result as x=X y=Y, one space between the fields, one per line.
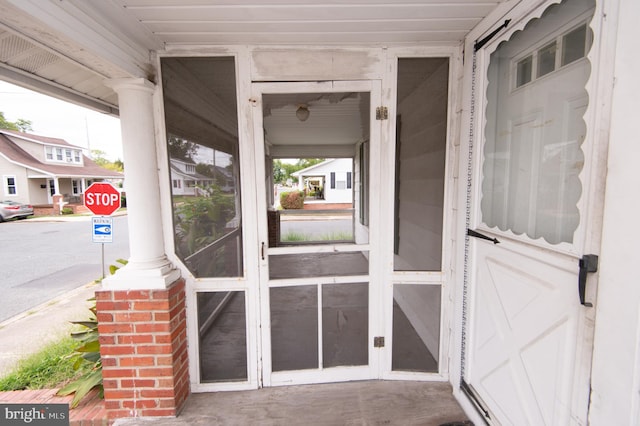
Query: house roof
x=194 y=175
x=44 y=140
x=13 y=153
x=311 y=168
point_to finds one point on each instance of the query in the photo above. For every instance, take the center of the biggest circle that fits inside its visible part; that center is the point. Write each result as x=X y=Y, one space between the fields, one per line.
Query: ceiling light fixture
x=302 y=112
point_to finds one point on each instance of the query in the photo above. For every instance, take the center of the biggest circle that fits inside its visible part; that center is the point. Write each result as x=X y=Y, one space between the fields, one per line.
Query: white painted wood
x=505 y=354
x=294 y=64
x=615 y=379
x=440 y=278
x=315 y=375
x=148 y=265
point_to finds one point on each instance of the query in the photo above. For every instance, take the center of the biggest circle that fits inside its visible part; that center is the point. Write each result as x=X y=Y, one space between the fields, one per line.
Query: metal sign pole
x=103 y=261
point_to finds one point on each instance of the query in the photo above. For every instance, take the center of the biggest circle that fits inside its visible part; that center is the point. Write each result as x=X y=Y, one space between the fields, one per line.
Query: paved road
x=41 y=260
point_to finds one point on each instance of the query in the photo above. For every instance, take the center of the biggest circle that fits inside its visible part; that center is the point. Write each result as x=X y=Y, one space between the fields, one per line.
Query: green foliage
x=44 y=369
x=199 y=221
x=292 y=200
x=114 y=268
x=20 y=125
x=292 y=237
x=181 y=149
x=86 y=358
x=282 y=170
x=98 y=157
x=67 y=210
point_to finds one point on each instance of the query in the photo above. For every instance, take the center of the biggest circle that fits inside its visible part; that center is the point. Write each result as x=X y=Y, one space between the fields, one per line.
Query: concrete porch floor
x=354 y=403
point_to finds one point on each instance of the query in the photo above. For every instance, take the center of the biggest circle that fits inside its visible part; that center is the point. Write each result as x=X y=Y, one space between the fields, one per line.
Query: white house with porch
x=42 y=170
x=330 y=180
x=494 y=155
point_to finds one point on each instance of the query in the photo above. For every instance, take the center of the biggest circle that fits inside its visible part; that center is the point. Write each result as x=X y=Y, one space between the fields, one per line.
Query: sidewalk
x=28 y=332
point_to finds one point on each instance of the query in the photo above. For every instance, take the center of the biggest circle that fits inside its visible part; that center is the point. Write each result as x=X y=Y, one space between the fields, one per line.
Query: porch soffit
x=66 y=49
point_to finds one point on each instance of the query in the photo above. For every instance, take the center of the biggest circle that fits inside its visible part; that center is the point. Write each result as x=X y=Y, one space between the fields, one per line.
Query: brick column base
x=143 y=344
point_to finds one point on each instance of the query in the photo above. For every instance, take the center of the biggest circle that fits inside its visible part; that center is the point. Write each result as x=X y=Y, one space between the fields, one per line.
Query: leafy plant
x=114 y=268
x=86 y=357
x=199 y=221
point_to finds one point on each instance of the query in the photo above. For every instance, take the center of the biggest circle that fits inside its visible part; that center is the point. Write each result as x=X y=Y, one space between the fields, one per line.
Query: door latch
x=588 y=264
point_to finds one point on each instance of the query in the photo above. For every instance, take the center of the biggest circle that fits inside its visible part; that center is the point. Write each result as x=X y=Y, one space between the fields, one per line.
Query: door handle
x=476 y=234
x=588 y=264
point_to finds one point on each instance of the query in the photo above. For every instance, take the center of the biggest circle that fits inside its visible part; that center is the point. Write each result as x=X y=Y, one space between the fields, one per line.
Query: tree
x=20 y=125
x=98 y=157
x=181 y=149
x=282 y=171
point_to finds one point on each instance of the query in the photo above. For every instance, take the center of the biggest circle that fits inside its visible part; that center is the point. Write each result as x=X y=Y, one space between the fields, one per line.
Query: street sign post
x=102 y=198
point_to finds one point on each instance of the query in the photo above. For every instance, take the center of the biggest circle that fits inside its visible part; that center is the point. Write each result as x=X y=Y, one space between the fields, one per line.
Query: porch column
x=148 y=266
x=141 y=309
x=56 y=186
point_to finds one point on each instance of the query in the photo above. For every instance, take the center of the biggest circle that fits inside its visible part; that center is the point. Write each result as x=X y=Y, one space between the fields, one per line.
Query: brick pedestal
x=143 y=338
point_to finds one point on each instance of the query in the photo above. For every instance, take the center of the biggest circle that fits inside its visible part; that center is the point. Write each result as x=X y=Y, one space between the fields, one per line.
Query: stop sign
x=102 y=198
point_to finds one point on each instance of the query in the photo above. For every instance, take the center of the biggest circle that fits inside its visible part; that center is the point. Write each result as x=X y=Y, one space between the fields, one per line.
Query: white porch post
x=148 y=266
x=56 y=186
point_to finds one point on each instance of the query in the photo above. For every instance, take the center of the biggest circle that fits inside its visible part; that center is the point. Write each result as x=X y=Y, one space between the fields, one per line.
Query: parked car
x=11 y=209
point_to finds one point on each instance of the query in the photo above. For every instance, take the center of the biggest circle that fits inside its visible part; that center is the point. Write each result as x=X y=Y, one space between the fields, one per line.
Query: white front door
x=319 y=294
x=527 y=332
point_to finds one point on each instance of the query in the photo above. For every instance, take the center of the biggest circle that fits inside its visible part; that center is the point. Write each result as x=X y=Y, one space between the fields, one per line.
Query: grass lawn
x=46 y=369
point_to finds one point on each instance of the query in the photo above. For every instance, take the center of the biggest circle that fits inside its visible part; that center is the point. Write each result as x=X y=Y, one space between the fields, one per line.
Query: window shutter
x=348 y=180
x=333 y=180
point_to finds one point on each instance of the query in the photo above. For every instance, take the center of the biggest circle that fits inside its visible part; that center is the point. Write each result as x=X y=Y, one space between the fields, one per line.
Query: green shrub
x=67 y=210
x=292 y=200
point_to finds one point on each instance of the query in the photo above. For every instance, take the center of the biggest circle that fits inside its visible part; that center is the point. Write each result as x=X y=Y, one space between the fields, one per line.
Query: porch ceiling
x=67 y=48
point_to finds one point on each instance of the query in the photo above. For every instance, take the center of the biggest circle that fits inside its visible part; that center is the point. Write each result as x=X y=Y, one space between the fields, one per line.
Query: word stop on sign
x=101 y=199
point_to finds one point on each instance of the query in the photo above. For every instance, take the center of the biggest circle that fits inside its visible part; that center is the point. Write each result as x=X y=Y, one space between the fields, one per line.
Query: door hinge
x=378 y=342
x=382 y=113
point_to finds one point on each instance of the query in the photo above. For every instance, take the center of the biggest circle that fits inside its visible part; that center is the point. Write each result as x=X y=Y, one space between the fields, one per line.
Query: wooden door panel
x=524 y=336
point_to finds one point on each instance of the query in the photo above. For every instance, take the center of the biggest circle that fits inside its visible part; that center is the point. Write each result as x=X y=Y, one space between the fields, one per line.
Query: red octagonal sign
x=102 y=198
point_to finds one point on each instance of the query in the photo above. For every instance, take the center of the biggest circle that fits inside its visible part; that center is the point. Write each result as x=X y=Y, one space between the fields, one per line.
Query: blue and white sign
x=102 y=229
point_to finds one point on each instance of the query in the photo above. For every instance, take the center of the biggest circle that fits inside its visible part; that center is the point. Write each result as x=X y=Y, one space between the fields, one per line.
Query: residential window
x=533 y=153
x=524 y=71
x=49 y=152
x=76 y=156
x=68 y=155
x=75 y=187
x=545 y=60
x=176 y=184
x=59 y=154
x=10 y=187
x=574 y=44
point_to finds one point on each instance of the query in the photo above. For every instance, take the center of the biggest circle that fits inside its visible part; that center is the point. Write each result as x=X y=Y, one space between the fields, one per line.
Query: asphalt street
x=41 y=260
